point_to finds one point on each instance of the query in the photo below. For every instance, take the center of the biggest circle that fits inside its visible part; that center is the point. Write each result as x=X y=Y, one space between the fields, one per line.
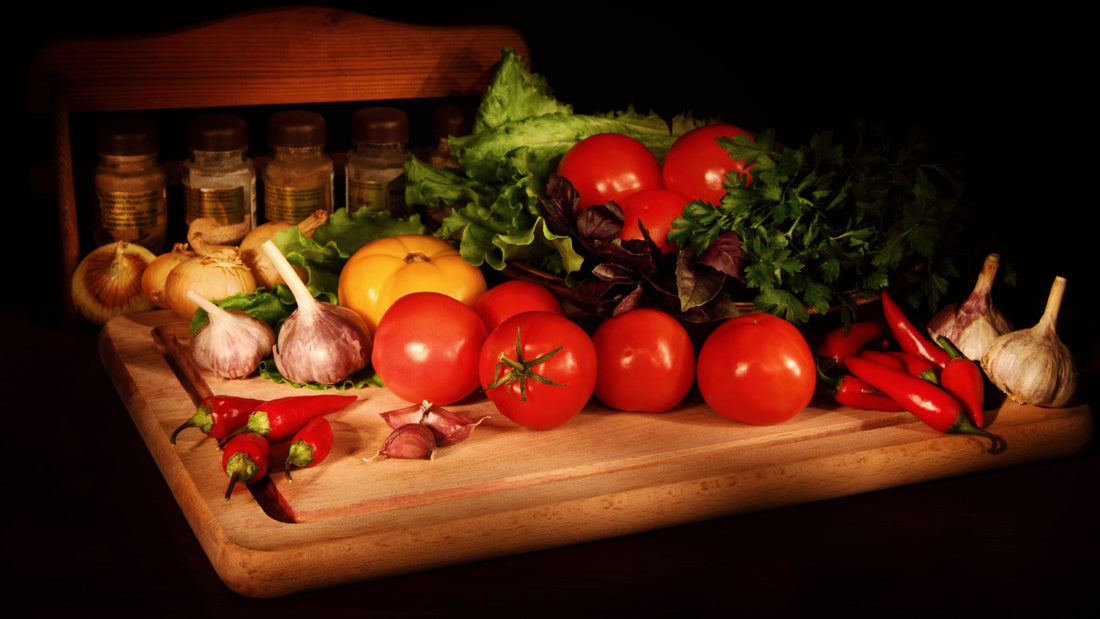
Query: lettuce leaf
x=519 y=135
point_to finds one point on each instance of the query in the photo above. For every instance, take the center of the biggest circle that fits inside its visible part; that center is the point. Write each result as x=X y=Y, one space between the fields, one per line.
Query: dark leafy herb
x=818 y=225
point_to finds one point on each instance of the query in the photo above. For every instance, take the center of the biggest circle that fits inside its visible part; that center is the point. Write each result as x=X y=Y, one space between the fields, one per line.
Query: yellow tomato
x=387 y=269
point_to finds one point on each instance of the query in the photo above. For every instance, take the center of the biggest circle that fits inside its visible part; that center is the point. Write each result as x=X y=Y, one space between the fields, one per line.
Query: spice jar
x=130 y=185
x=298 y=179
x=375 y=170
x=447 y=121
x=219 y=181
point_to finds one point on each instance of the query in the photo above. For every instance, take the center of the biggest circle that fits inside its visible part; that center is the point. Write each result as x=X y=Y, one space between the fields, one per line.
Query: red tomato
x=551 y=347
x=513 y=297
x=756 y=368
x=696 y=165
x=608 y=166
x=646 y=361
x=426 y=347
x=655 y=209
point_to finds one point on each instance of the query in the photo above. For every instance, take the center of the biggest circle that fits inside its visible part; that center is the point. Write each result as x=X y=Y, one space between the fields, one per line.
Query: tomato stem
x=521 y=370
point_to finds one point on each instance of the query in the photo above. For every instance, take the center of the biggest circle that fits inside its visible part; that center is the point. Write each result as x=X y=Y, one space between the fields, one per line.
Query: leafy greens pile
x=819 y=226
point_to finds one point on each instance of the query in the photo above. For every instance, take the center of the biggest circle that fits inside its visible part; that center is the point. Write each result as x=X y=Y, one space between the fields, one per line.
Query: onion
x=216 y=272
x=973 y=324
x=262 y=268
x=107 y=282
x=233 y=343
x=320 y=342
x=1033 y=366
x=155 y=277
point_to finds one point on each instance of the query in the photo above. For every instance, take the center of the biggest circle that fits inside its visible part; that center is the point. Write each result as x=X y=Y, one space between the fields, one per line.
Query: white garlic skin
x=325 y=345
x=232 y=344
x=1031 y=369
x=1033 y=366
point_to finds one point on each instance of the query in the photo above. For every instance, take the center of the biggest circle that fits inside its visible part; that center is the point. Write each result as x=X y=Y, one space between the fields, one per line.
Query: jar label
x=224 y=205
x=134 y=216
x=293 y=204
x=377 y=195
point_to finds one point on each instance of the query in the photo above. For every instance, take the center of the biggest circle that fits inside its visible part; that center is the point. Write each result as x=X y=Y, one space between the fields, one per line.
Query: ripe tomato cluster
x=610 y=167
x=540 y=368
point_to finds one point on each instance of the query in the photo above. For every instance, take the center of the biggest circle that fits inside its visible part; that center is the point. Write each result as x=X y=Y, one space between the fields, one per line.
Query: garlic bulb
x=320 y=342
x=1033 y=366
x=107 y=282
x=973 y=324
x=233 y=343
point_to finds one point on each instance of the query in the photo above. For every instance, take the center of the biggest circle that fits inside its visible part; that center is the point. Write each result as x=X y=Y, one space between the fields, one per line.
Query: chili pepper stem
x=964 y=426
x=233 y=479
x=201 y=420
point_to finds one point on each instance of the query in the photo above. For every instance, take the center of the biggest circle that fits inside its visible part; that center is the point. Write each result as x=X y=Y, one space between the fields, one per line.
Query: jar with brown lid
x=298 y=178
x=130 y=185
x=219 y=181
x=375 y=170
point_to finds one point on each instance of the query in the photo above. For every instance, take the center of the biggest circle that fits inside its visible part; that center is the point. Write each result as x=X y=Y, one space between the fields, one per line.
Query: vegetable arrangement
x=659 y=227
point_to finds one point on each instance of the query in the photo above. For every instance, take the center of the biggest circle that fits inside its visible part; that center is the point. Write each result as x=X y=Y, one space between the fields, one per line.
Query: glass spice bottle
x=219 y=181
x=447 y=121
x=299 y=177
x=375 y=169
x=130 y=185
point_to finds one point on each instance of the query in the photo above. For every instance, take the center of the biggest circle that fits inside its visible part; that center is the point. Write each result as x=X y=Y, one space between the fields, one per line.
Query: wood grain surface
x=508 y=490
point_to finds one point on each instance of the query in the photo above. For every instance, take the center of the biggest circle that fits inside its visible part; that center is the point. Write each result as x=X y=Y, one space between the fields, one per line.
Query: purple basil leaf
x=601 y=222
x=697 y=286
x=561 y=208
x=725 y=255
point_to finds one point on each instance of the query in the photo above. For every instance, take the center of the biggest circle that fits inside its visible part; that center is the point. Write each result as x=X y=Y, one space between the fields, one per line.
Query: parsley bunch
x=819 y=225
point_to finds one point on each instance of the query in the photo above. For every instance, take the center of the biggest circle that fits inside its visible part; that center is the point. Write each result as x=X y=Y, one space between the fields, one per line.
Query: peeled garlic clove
x=233 y=343
x=1033 y=366
x=973 y=324
x=107 y=282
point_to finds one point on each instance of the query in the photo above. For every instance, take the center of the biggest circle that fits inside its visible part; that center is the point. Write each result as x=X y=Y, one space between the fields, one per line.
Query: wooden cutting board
x=507 y=489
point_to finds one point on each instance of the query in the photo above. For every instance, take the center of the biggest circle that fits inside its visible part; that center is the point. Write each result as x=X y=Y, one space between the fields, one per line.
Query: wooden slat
x=296 y=55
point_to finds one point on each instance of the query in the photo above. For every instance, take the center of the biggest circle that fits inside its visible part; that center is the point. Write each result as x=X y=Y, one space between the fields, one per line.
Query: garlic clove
x=1033 y=366
x=449 y=428
x=412 y=441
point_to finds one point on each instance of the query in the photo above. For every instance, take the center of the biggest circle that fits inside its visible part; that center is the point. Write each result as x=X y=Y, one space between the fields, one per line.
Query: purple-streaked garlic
x=233 y=343
x=973 y=324
x=412 y=441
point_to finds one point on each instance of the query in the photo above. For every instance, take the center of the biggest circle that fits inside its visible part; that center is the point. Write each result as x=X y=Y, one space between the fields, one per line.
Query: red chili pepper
x=218 y=415
x=245 y=459
x=847 y=340
x=279 y=419
x=309 y=446
x=931 y=404
x=963 y=378
x=855 y=392
x=918 y=366
x=883 y=358
x=907 y=335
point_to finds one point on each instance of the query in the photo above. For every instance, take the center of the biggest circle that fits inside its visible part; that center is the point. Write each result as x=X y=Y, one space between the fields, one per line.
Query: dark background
x=1000 y=94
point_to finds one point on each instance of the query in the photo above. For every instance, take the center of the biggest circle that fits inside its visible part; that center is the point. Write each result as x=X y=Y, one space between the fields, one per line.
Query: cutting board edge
x=356 y=557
